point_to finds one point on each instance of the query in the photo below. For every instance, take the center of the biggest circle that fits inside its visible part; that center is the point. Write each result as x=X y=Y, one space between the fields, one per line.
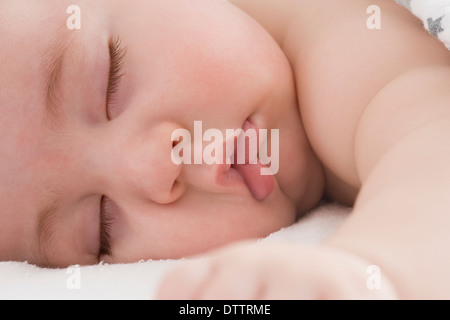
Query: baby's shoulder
x=347 y=63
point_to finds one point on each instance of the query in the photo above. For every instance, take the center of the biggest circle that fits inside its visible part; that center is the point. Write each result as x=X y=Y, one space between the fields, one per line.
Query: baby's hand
x=273 y=271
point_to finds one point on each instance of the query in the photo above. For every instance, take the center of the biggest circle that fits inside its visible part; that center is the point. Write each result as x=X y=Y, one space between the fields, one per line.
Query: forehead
x=26 y=29
x=31 y=35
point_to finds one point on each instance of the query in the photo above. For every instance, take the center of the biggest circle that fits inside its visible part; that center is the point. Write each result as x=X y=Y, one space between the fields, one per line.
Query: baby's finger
x=185 y=282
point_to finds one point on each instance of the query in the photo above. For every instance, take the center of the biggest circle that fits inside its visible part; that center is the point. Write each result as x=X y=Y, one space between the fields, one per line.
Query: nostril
x=180 y=152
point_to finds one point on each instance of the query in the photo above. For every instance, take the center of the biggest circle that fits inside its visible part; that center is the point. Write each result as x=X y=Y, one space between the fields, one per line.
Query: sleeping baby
x=93 y=106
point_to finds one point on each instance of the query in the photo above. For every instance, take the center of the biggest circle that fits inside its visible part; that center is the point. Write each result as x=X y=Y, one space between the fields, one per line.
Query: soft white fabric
x=435 y=15
x=137 y=280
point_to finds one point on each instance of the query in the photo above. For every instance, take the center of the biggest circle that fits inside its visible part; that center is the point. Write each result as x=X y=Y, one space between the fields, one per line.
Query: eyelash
x=106 y=221
x=117 y=58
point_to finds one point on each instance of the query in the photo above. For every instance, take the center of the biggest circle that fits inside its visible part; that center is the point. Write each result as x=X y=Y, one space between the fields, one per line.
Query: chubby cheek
x=173 y=233
x=210 y=89
x=187 y=88
x=205 y=78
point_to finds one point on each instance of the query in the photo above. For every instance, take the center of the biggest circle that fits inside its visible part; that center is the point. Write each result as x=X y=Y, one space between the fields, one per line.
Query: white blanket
x=137 y=280
x=435 y=15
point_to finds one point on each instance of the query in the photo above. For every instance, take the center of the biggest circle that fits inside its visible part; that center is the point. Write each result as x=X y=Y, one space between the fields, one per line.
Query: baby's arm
x=402 y=215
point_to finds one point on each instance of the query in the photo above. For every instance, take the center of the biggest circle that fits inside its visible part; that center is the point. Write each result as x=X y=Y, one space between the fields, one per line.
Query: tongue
x=260 y=186
x=250 y=169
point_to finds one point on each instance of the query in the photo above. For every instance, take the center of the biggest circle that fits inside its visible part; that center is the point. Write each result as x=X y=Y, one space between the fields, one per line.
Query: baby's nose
x=142 y=165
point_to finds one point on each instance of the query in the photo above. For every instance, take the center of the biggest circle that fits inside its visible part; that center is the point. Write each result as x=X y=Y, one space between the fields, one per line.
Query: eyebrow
x=53 y=67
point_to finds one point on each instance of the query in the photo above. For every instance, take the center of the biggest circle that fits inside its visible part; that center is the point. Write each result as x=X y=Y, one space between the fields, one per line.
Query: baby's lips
x=261 y=186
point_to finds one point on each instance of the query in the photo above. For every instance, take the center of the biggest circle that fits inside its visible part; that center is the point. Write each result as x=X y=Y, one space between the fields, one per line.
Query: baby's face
x=86 y=172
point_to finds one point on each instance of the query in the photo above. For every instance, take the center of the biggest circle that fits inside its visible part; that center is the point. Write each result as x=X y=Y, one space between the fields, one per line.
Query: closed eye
x=106 y=222
x=117 y=57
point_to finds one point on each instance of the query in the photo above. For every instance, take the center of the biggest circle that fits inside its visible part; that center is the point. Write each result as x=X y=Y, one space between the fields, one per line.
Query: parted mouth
x=241 y=163
x=240 y=158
